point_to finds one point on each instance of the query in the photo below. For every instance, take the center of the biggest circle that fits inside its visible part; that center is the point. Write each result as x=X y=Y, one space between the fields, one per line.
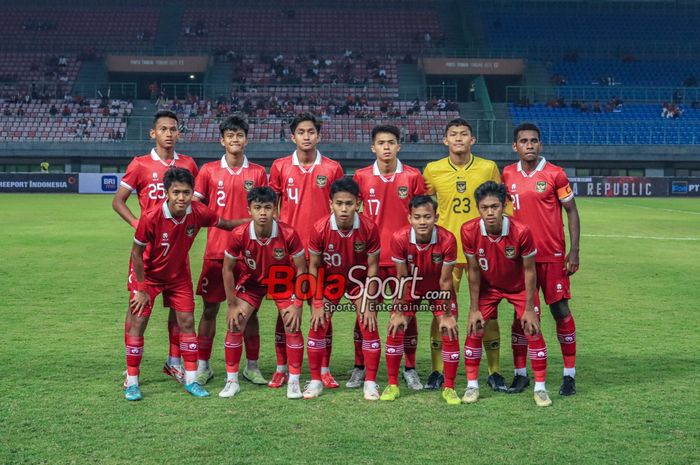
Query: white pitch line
x=657 y=238
x=671 y=210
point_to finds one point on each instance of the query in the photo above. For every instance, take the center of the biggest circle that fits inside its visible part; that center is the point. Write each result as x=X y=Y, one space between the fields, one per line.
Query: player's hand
x=397 y=322
x=139 y=302
x=368 y=319
x=291 y=316
x=448 y=326
x=234 y=315
x=318 y=315
x=571 y=263
x=530 y=322
x=476 y=322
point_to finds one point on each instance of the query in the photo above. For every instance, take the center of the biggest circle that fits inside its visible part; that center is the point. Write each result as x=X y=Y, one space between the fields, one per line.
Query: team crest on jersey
x=541 y=186
x=403 y=192
x=278 y=253
x=437 y=257
x=190 y=230
x=248 y=185
x=358 y=246
x=461 y=186
x=321 y=181
x=510 y=251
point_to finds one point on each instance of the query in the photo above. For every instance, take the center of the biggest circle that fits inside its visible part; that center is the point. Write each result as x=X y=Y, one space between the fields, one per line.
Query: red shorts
x=554 y=281
x=254 y=296
x=178 y=295
x=211 y=281
x=489 y=298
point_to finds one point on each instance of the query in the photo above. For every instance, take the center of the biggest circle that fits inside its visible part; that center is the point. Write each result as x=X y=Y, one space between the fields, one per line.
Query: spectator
x=414 y=137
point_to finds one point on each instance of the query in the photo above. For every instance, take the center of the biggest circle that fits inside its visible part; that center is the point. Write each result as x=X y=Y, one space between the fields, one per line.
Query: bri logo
x=109 y=183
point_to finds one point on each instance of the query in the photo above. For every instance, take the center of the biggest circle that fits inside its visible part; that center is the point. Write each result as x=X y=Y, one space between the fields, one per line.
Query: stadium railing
x=629 y=94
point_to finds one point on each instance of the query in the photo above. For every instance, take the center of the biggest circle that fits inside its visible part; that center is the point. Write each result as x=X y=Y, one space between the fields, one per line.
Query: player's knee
x=560 y=310
x=210 y=311
x=186 y=321
x=136 y=324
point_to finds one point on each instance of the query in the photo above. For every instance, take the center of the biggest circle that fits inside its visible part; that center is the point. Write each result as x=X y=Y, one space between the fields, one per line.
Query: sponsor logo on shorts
x=321 y=181
x=278 y=253
x=541 y=186
x=510 y=251
x=248 y=185
x=461 y=186
x=358 y=246
x=403 y=192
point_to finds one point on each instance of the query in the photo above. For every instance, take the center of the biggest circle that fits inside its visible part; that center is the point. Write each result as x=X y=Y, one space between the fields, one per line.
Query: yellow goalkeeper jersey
x=454 y=188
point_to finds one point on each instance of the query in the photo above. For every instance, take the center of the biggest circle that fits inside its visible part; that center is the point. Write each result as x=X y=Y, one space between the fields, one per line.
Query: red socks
x=174 y=337
x=315 y=350
x=280 y=348
x=518 y=344
x=472 y=355
x=233 y=348
x=393 y=352
x=410 y=343
x=566 y=333
x=450 y=360
x=205 y=345
x=134 y=354
x=188 y=349
x=295 y=352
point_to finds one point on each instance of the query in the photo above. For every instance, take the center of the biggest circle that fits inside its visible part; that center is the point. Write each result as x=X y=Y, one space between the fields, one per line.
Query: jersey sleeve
x=495 y=175
x=202 y=183
x=275 y=175
x=144 y=231
x=398 y=247
x=373 y=244
x=527 y=244
x=428 y=178
x=467 y=243
x=315 y=241
x=338 y=172
x=262 y=178
x=358 y=181
x=207 y=217
x=294 y=244
x=419 y=187
x=192 y=167
x=450 y=249
x=130 y=180
x=562 y=187
x=235 y=245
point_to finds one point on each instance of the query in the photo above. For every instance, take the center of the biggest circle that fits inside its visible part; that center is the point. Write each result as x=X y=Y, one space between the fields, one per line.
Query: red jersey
x=537 y=197
x=500 y=258
x=226 y=190
x=386 y=198
x=168 y=241
x=258 y=255
x=144 y=175
x=428 y=258
x=304 y=192
x=341 y=250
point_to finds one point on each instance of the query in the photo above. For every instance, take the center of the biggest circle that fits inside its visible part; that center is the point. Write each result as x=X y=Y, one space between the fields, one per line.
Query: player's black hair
x=490 y=188
x=234 y=123
x=345 y=184
x=164 y=114
x=301 y=117
x=175 y=174
x=263 y=194
x=526 y=127
x=420 y=200
x=388 y=128
x=458 y=122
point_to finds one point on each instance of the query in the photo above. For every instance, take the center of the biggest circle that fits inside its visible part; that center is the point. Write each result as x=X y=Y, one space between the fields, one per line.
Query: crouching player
x=343 y=253
x=160 y=264
x=261 y=244
x=426 y=253
x=501 y=255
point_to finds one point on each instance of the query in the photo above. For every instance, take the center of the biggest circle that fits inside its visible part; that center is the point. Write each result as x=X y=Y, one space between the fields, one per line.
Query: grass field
x=62 y=276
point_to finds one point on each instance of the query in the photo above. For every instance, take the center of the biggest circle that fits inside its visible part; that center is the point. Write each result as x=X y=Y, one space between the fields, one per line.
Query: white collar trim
x=251 y=231
x=169 y=215
x=355 y=222
x=504 y=229
x=433 y=238
x=539 y=167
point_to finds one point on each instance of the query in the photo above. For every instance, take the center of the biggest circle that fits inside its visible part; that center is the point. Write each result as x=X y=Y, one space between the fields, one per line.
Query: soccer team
x=310 y=234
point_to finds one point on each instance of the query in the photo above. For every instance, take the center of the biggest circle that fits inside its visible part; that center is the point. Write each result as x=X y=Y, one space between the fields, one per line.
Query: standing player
x=429 y=252
x=159 y=264
x=261 y=244
x=386 y=188
x=501 y=255
x=339 y=245
x=302 y=182
x=453 y=180
x=224 y=184
x=144 y=175
x=539 y=190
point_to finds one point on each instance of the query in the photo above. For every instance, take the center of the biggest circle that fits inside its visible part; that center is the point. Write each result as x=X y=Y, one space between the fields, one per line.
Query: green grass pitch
x=62 y=276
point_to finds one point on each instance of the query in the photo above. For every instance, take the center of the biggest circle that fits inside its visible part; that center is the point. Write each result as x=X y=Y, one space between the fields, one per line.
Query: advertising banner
x=39 y=182
x=99 y=183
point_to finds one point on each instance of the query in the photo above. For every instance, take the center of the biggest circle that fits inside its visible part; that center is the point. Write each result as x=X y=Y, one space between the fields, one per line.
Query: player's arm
x=476 y=319
x=531 y=324
x=232 y=313
x=368 y=316
x=228 y=225
x=574 y=223
x=318 y=315
x=119 y=205
x=292 y=314
x=428 y=178
x=141 y=299
x=448 y=322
